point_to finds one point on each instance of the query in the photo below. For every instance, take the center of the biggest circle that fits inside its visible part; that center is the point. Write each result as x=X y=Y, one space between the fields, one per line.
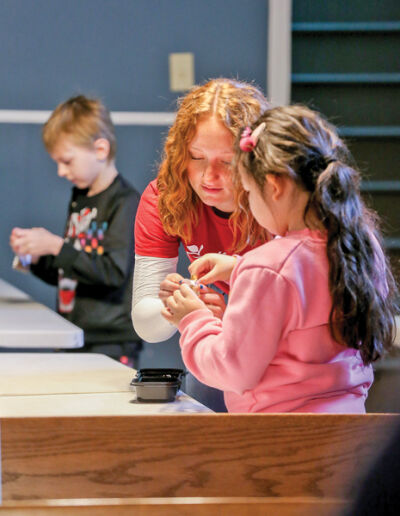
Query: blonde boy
x=92 y=264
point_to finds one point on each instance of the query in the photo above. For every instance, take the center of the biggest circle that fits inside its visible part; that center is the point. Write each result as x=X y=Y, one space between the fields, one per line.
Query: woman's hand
x=181 y=303
x=35 y=241
x=169 y=285
x=212 y=267
x=213 y=300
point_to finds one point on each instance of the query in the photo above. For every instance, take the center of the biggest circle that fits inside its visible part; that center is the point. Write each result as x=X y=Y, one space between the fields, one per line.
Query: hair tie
x=329 y=161
x=249 y=139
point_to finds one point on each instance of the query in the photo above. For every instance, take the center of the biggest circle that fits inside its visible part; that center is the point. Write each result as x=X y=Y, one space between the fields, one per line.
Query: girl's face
x=261 y=204
x=79 y=165
x=209 y=165
x=280 y=206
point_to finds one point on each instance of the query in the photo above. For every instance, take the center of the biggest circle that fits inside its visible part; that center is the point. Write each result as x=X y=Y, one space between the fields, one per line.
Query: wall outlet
x=181 y=71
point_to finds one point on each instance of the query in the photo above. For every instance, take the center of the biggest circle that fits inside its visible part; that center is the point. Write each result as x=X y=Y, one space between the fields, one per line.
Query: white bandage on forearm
x=147 y=320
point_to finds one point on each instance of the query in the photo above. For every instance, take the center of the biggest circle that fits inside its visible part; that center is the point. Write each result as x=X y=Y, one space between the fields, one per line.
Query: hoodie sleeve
x=234 y=353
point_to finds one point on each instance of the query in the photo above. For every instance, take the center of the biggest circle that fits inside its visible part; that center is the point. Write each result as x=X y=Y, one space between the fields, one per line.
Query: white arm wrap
x=147 y=320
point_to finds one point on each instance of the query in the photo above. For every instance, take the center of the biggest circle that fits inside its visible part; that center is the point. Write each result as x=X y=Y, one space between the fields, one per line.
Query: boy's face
x=80 y=165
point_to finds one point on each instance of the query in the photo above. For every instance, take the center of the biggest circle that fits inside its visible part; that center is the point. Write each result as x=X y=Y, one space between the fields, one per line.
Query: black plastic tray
x=157 y=385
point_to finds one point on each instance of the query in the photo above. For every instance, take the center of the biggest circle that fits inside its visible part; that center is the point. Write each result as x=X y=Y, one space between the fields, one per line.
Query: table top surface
x=75 y=384
x=25 y=323
x=9 y=292
x=105 y=404
x=61 y=373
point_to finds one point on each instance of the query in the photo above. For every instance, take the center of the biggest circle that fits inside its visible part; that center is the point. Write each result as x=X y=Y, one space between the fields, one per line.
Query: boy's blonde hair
x=83 y=121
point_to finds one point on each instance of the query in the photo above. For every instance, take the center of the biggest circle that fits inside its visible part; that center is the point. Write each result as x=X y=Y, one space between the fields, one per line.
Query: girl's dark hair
x=300 y=143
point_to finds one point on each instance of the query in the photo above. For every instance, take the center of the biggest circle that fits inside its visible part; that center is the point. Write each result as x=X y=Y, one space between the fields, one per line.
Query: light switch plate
x=181 y=71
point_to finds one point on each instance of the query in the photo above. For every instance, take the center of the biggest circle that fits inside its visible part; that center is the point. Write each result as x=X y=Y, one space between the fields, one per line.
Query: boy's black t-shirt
x=93 y=271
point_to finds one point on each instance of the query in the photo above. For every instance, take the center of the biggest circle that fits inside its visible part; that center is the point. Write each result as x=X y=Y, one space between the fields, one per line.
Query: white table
x=25 y=323
x=75 y=384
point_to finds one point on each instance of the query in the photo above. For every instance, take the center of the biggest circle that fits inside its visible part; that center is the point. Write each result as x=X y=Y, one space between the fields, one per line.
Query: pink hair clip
x=249 y=139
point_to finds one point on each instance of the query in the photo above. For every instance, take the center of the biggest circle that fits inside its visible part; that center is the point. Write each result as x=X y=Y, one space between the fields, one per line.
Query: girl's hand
x=35 y=241
x=169 y=285
x=212 y=267
x=181 y=303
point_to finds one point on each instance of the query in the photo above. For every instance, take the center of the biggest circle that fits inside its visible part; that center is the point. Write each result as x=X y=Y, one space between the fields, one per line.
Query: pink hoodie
x=273 y=351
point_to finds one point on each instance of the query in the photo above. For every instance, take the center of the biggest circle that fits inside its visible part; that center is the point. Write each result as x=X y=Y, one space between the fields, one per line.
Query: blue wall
x=117 y=50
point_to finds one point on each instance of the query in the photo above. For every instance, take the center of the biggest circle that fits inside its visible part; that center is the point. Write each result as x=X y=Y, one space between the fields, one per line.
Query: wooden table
x=24 y=323
x=75 y=384
x=68 y=430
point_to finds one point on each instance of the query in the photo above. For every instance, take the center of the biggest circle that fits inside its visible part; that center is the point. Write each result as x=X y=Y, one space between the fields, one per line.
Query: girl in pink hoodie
x=309 y=311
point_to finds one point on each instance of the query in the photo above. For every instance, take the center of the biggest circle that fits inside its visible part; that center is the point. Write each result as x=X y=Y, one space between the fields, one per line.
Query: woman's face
x=209 y=165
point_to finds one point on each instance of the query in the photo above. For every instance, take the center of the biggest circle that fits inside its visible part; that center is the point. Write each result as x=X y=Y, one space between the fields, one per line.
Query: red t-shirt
x=211 y=235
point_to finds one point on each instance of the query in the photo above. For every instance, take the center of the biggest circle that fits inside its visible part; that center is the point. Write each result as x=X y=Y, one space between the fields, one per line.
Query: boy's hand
x=35 y=241
x=181 y=303
x=212 y=267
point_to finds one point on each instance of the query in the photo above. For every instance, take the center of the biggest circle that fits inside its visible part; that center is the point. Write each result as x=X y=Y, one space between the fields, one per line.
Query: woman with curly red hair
x=193 y=201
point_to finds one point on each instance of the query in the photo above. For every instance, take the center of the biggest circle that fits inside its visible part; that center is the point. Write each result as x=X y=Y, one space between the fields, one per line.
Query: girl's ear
x=102 y=148
x=276 y=186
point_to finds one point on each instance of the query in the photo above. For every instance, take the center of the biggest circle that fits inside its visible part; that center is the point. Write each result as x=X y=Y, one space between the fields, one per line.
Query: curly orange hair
x=236 y=104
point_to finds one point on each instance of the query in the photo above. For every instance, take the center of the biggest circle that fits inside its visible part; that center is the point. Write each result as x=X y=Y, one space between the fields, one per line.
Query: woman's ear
x=276 y=186
x=102 y=148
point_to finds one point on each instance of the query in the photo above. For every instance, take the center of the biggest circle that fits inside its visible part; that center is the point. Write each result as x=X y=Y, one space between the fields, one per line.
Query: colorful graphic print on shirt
x=86 y=234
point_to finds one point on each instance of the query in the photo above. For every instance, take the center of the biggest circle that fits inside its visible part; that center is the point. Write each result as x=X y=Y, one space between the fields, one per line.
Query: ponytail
x=360 y=280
